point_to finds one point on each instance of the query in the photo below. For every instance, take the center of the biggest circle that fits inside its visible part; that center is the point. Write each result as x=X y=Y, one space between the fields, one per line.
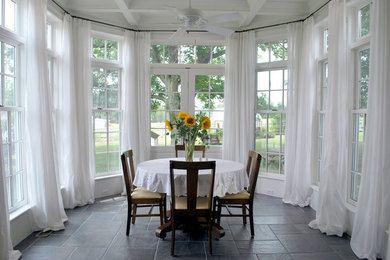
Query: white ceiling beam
x=97 y=10
x=126 y=12
x=254 y=8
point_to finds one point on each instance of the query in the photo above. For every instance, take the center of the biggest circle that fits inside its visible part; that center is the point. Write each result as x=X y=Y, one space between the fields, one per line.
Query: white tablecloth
x=230 y=177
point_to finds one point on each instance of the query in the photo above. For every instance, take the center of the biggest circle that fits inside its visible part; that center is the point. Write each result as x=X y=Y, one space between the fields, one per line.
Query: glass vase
x=189 y=150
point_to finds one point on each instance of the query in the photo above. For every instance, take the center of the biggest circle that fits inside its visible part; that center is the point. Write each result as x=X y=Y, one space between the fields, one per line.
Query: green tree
x=164 y=88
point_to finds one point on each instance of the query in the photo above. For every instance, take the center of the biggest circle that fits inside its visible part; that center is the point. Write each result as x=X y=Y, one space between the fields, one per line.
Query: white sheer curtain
x=43 y=181
x=373 y=214
x=135 y=100
x=73 y=114
x=6 y=249
x=238 y=134
x=301 y=113
x=332 y=213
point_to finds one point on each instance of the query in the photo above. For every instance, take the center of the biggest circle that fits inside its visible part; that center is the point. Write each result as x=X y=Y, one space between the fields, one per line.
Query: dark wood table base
x=218 y=231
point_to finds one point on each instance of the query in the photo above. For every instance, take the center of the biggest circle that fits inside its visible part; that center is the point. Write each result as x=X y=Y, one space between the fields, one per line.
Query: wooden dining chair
x=243 y=199
x=181 y=147
x=138 y=196
x=191 y=207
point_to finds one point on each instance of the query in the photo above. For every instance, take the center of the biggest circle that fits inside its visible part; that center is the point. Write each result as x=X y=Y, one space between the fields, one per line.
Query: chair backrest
x=192 y=169
x=181 y=147
x=252 y=169
x=128 y=170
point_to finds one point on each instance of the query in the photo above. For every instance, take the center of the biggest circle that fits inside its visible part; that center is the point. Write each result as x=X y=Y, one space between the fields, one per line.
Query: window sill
x=351 y=207
x=115 y=175
x=315 y=187
x=13 y=215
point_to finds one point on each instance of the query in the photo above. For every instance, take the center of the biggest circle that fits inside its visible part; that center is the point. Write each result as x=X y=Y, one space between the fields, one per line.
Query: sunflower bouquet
x=188 y=128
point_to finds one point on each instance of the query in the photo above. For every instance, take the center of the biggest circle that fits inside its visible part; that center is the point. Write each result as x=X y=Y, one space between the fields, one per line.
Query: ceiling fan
x=193 y=19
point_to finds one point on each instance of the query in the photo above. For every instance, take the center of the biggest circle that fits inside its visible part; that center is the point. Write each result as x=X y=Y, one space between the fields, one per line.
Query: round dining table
x=230 y=177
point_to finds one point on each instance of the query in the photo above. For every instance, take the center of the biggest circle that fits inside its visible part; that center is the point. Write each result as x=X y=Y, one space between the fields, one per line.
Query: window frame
x=272 y=66
x=188 y=73
x=357 y=44
x=106 y=64
x=10 y=37
x=322 y=80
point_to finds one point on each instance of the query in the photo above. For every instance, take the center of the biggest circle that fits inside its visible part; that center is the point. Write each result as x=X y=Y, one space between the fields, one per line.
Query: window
x=106 y=107
x=323 y=86
x=364 y=21
x=191 y=89
x=272 y=82
x=12 y=127
x=8 y=14
x=49 y=35
x=105 y=49
x=187 y=54
x=359 y=115
x=361 y=88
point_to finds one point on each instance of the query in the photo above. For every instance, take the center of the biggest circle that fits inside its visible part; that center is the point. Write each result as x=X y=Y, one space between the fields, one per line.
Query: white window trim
x=9 y=37
x=268 y=66
x=356 y=45
x=187 y=72
x=107 y=65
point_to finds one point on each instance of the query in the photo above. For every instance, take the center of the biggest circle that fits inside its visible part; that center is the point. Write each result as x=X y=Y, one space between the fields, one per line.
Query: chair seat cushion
x=201 y=203
x=242 y=195
x=142 y=193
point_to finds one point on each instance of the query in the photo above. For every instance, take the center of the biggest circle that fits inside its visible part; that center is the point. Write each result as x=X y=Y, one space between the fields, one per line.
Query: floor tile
x=225 y=248
x=129 y=254
x=303 y=243
x=187 y=250
x=280 y=229
x=51 y=240
x=47 y=252
x=87 y=254
x=317 y=256
x=258 y=247
x=98 y=232
x=274 y=257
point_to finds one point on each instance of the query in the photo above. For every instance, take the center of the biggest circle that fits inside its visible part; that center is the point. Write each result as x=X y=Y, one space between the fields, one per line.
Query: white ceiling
x=154 y=14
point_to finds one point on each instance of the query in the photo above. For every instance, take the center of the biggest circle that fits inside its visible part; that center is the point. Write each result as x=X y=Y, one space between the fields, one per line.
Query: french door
x=190 y=90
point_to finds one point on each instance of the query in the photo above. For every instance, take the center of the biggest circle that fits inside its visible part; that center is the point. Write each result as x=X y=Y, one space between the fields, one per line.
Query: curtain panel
x=373 y=213
x=135 y=100
x=331 y=217
x=44 y=194
x=6 y=249
x=73 y=115
x=301 y=114
x=240 y=93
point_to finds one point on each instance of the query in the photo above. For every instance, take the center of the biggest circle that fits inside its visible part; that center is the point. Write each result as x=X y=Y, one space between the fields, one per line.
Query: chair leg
x=210 y=235
x=219 y=213
x=214 y=216
x=165 y=208
x=134 y=213
x=161 y=213
x=173 y=237
x=243 y=214
x=251 y=219
x=128 y=219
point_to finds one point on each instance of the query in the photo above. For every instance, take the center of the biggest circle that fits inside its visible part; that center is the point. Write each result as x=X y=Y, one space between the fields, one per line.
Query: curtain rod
x=172 y=30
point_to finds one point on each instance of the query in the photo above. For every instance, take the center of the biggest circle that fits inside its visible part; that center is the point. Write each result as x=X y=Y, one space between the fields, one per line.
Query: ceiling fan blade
x=221 y=18
x=218 y=30
x=179 y=32
x=174 y=11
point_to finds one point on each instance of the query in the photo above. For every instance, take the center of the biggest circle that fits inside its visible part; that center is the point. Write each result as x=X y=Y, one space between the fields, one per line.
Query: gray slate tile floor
x=98 y=232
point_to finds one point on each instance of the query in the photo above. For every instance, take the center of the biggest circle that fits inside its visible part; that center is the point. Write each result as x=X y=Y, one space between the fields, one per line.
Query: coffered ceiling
x=158 y=14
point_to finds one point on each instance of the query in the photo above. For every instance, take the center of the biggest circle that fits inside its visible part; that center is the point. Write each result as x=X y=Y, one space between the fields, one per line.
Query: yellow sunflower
x=168 y=124
x=190 y=120
x=182 y=115
x=206 y=123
